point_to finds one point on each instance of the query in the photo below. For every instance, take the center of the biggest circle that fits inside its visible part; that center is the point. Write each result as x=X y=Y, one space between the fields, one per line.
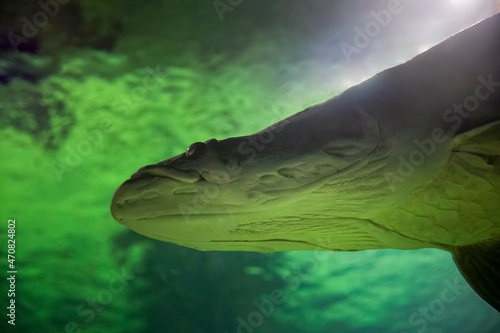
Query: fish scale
x=460 y=207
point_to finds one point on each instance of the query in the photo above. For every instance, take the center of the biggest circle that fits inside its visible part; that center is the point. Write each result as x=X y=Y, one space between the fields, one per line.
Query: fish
x=408 y=159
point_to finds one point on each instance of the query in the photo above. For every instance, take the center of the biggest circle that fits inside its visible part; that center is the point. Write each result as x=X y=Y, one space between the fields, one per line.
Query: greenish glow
x=65 y=232
x=69 y=139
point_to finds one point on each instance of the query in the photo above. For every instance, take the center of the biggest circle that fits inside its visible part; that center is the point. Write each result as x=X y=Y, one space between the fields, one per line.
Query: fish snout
x=128 y=195
x=147 y=191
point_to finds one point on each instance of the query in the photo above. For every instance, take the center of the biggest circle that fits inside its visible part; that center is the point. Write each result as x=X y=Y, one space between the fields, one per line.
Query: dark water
x=91 y=91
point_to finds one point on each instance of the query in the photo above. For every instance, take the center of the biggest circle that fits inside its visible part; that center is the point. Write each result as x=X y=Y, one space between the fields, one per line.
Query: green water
x=105 y=88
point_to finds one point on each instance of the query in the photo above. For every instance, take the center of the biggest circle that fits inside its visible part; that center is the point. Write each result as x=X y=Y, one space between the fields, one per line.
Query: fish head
x=207 y=197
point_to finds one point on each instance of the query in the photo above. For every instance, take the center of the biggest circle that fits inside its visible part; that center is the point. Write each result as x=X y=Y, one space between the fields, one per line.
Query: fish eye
x=195 y=150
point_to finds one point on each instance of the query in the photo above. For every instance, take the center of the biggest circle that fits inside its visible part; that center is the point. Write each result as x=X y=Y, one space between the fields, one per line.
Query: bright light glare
x=424 y=47
x=462 y=3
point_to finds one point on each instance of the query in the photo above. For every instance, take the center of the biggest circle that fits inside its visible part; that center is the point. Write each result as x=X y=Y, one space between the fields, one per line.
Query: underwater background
x=90 y=91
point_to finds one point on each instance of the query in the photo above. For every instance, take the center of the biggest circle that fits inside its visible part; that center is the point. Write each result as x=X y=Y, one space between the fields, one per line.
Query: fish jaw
x=196 y=224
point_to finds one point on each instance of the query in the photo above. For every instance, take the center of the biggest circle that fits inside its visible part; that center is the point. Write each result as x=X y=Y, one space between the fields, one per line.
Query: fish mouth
x=155 y=170
x=162 y=190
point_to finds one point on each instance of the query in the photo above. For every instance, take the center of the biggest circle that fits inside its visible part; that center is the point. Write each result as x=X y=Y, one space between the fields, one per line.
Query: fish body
x=407 y=159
